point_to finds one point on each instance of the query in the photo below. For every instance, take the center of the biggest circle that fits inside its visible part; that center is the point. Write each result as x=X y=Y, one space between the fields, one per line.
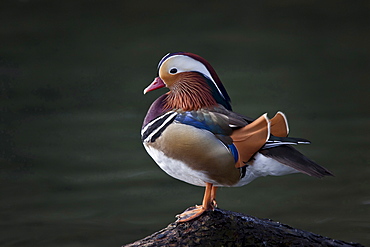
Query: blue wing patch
x=234 y=152
x=202 y=120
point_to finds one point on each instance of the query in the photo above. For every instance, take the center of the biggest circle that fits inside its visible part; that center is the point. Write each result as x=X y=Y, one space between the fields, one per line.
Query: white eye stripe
x=184 y=63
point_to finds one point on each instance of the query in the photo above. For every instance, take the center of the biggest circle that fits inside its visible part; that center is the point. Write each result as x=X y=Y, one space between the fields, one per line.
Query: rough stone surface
x=226 y=228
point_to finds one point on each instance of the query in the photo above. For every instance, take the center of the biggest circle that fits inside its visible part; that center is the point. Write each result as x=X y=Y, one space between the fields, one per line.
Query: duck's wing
x=290 y=156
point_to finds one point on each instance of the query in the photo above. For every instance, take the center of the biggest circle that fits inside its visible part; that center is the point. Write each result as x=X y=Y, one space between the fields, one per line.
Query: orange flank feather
x=279 y=125
x=251 y=138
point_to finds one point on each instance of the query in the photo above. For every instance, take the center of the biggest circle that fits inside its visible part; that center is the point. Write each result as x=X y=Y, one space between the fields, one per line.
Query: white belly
x=177 y=169
x=261 y=166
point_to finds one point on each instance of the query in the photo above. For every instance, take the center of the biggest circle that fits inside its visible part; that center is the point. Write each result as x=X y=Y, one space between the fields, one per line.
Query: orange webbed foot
x=209 y=203
x=190 y=214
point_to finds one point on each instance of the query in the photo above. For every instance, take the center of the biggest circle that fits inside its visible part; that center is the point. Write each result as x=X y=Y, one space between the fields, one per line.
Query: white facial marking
x=183 y=63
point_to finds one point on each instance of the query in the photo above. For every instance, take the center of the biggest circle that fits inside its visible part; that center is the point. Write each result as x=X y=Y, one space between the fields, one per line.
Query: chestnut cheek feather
x=190 y=92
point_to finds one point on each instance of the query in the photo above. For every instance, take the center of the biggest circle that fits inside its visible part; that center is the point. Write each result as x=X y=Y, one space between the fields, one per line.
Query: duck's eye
x=173 y=71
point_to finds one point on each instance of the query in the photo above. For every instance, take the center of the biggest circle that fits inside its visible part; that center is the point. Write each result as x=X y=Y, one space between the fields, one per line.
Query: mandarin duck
x=192 y=133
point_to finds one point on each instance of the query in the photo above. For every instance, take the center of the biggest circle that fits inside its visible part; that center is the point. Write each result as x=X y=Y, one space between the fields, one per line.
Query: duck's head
x=189 y=74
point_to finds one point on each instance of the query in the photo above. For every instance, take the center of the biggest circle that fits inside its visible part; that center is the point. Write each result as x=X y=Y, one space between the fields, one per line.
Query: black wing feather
x=290 y=156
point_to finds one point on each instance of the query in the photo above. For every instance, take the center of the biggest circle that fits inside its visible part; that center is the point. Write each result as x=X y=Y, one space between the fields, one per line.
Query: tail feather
x=275 y=141
x=289 y=156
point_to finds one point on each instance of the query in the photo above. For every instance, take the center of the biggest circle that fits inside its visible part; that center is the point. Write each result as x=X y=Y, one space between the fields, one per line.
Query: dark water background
x=73 y=171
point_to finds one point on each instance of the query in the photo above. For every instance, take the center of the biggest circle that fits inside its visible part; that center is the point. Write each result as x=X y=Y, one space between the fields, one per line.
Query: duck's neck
x=191 y=93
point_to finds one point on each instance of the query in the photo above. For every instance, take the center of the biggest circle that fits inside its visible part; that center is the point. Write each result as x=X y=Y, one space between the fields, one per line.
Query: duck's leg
x=213 y=196
x=208 y=204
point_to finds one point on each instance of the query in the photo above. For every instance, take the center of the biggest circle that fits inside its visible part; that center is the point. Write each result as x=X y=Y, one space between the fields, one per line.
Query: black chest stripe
x=155 y=128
